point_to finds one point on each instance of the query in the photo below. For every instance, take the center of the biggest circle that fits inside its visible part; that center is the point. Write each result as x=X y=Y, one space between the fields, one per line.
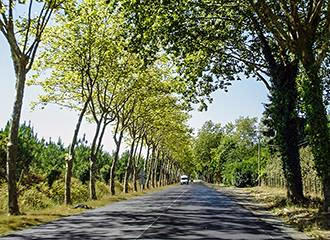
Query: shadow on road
x=199 y=213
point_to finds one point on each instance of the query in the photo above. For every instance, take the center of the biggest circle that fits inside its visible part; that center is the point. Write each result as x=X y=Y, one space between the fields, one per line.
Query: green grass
x=35 y=217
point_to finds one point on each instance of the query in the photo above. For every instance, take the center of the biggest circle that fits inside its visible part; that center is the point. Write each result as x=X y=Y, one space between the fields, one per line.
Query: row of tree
x=284 y=44
x=84 y=65
x=240 y=155
x=44 y=160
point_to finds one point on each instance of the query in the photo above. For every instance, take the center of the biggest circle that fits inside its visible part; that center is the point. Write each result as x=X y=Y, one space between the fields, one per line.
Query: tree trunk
x=128 y=167
x=169 y=173
x=93 y=156
x=318 y=130
x=70 y=158
x=154 y=171
x=283 y=111
x=92 y=179
x=326 y=193
x=160 y=181
x=161 y=170
x=113 y=165
x=12 y=146
x=151 y=162
x=166 y=175
x=134 y=165
x=176 y=176
x=145 y=164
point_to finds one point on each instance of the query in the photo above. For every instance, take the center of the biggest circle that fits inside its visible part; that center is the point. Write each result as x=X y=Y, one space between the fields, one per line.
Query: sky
x=244 y=98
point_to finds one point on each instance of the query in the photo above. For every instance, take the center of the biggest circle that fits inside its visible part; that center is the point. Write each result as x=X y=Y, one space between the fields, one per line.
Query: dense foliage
x=228 y=154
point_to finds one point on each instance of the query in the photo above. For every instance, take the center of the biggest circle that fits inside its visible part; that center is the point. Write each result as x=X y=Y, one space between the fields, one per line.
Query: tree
x=228 y=157
x=208 y=138
x=28 y=147
x=23 y=35
x=213 y=43
x=302 y=28
x=76 y=56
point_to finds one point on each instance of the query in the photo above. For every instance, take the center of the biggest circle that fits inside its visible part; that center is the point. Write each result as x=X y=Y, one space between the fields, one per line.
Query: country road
x=180 y=212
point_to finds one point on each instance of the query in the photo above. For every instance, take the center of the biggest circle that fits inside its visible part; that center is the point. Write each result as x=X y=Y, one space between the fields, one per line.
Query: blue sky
x=244 y=98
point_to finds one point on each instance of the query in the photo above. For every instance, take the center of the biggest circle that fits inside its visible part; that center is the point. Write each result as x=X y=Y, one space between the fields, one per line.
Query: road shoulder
x=247 y=201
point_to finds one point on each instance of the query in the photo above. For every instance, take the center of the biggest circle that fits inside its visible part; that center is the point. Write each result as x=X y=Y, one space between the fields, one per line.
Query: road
x=180 y=212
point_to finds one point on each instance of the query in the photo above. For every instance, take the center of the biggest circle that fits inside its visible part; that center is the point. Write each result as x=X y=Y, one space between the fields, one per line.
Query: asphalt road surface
x=180 y=212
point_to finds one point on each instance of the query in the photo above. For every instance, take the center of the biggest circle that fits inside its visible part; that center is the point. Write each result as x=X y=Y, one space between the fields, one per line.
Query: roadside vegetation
x=36 y=214
x=239 y=161
x=304 y=217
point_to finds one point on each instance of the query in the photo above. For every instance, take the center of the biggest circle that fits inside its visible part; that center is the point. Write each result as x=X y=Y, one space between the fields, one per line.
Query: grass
x=306 y=217
x=30 y=218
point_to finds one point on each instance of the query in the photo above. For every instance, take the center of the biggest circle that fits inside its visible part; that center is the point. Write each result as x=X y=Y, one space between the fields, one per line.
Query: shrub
x=33 y=198
x=79 y=192
x=241 y=174
x=52 y=176
x=3 y=196
x=118 y=187
x=105 y=173
x=102 y=190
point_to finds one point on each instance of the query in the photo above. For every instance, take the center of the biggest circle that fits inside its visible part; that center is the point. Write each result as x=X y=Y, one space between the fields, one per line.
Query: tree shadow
x=199 y=213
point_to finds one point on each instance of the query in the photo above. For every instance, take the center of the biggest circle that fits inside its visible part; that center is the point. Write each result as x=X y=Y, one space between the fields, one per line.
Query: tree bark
x=151 y=163
x=12 y=146
x=154 y=171
x=166 y=173
x=161 y=170
x=114 y=163
x=92 y=179
x=128 y=167
x=70 y=158
x=145 y=164
x=136 y=165
x=283 y=111
x=92 y=162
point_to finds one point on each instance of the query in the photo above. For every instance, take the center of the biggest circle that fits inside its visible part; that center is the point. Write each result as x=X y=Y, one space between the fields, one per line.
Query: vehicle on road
x=184 y=180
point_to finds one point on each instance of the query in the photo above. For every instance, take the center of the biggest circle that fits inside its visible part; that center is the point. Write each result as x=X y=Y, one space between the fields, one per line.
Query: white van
x=184 y=179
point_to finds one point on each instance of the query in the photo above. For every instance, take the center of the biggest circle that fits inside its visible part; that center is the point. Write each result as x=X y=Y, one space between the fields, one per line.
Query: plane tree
x=123 y=108
x=302 y=28
x=156 y=84
x=168 y=128
x=22 y=23
x=74 y=58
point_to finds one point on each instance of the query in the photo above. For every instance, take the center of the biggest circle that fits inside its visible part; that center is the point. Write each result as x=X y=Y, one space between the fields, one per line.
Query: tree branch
x=28 y=27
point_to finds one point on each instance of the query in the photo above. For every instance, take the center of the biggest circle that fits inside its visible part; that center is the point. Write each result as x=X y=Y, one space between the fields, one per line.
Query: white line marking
x=160 y=216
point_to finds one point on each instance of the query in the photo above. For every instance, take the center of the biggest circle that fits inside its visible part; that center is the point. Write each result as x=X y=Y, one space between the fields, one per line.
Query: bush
x=243 y=178
x=241 y=174
x=118 y=187
x=84 y=176
x=3 y=196
x=105 y=173
x=52 y=176
x=102 y=190
x=33 y=198
x=79 y=192
x=30 y=179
